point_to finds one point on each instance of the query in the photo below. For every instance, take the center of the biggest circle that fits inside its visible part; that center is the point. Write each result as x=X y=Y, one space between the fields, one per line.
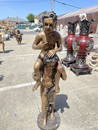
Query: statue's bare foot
x=33 y=89
x=44 y=122
x=52 y=115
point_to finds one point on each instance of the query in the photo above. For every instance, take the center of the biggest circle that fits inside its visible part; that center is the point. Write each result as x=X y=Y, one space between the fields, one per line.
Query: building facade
x=92 y=13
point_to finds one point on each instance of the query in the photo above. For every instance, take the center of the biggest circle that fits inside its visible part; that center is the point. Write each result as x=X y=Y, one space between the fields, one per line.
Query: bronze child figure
x=47 y=89
x=48 y=69
x=48 y=41
x=2 y=42
x=18 y=36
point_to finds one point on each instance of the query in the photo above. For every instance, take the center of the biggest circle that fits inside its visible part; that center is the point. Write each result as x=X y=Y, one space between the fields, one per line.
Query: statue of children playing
x=49 y=42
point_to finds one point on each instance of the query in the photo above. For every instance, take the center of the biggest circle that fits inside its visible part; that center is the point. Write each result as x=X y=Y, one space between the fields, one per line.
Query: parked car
x=36 y=29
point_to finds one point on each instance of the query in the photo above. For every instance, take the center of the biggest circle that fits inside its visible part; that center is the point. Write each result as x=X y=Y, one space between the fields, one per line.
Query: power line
x=67 y=4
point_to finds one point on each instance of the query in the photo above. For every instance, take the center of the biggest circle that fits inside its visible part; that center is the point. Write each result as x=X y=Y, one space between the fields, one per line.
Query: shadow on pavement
x=1 y=62
x=1 y=51
x=8 y=51
x=1 y=77
x=61 y=102
x=22 y=44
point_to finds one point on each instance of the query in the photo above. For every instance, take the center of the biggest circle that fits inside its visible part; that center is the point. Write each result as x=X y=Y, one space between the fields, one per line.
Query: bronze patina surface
x=47 y=71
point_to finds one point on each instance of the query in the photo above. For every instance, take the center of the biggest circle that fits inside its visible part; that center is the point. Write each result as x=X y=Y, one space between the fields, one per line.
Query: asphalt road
x=77 y=102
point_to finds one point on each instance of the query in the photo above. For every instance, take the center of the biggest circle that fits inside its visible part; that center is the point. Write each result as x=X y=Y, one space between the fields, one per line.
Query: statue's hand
x=42 y=44
x=34 y=88
x=51 y=53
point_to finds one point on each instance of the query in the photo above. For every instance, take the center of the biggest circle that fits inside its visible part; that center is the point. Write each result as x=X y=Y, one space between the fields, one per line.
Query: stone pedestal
x=80 y=69
x=51 y=124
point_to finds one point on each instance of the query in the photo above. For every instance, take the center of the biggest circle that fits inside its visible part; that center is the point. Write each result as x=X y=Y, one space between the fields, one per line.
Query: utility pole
x=52 y=4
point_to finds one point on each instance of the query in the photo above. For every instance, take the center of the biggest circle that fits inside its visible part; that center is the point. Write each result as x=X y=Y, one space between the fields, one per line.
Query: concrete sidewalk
x=77 y=102
x=77 y=105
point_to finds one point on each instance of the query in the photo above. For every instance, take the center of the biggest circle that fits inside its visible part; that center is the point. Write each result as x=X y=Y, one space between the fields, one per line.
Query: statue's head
x=49 y=22
x=18 y=31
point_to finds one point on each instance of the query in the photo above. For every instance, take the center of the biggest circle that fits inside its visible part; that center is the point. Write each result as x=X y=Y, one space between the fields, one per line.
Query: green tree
x=30 y=18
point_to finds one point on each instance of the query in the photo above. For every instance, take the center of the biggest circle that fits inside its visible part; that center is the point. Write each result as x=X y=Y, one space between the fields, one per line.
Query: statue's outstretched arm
x=36 y=42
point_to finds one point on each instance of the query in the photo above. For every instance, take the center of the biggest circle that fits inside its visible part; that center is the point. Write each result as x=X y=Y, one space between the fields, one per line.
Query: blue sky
x=22 y=8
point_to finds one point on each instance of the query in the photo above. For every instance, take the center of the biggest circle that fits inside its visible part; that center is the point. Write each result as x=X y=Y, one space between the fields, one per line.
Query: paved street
x=77 y=102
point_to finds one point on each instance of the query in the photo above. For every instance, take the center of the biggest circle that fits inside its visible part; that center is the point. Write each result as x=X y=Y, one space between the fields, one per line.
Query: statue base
x=67 y=63
x=80 y=69
x=51 y=124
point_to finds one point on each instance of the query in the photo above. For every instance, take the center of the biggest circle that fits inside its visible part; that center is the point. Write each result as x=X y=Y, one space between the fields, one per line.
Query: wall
x=93 y=27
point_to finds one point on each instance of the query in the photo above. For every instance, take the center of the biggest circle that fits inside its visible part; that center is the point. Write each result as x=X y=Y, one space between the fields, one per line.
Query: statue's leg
x=57 y=79
x=3 y=46
x=53 y=106
x=37 y=73
x=41 y=94
x=44 y=101
x=20 y=40
x=60 y=73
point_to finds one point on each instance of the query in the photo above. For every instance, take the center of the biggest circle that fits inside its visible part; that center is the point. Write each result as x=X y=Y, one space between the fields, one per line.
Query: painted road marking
x=17 y=86
x=16 y=56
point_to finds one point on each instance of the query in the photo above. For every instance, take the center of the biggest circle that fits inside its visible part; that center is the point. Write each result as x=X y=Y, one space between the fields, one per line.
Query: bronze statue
x=18 y=36
x=47 y=41
x=48 y=68
x=2 y=43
